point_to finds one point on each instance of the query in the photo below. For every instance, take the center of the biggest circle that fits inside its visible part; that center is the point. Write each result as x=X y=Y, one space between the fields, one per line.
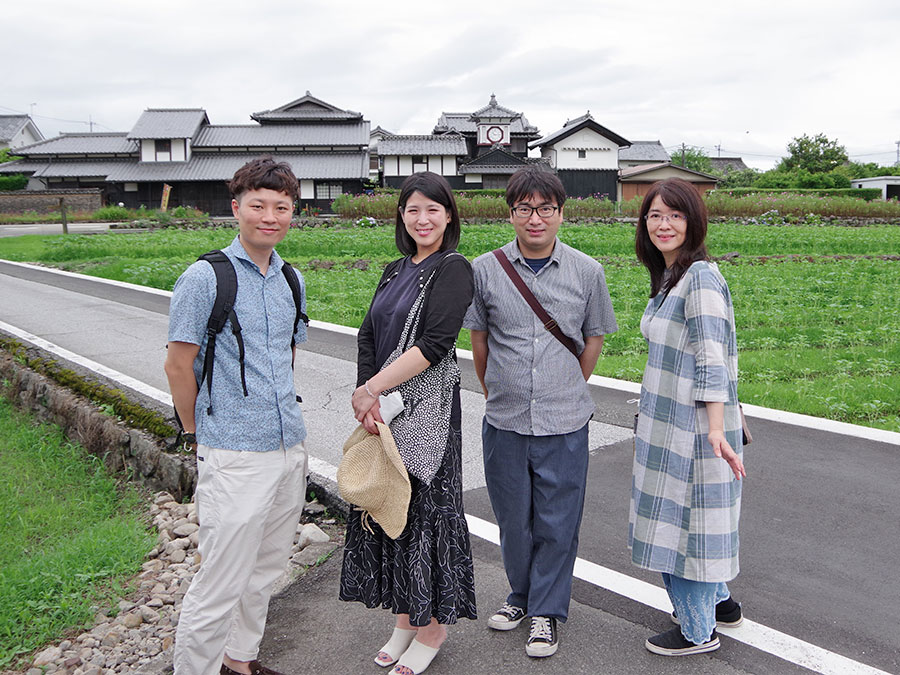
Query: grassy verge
x=817 y=307
x=72 y=537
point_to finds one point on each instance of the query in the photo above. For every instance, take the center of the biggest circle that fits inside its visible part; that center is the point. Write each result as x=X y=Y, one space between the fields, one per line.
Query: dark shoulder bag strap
x=222 y=311
x=548 y=321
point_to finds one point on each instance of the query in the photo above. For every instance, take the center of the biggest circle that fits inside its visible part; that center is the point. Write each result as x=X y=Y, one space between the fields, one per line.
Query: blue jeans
x=695 y=604
x=536 y=485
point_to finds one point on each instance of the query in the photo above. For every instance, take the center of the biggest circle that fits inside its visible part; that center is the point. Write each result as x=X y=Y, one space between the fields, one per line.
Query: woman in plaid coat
x=686 y=490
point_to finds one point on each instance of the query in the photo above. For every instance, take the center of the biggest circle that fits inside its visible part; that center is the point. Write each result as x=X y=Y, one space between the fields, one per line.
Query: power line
x=56 y=119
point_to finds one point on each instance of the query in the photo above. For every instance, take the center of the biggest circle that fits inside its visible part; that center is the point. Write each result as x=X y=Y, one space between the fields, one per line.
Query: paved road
x=821 y=536
x=12 y=230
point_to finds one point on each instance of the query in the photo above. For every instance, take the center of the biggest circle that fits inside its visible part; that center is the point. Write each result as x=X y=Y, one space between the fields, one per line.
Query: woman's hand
x=721 y=448
x=362 y=402
x=368 y=422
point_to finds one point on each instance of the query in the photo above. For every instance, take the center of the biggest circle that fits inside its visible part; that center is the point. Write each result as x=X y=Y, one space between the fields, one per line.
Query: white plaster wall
x=601 y=153
x=473 y=177
x=549 y=154
x=405 y=166
x=880 y=182
x=23 y=137
x=307 y=189
x=148 y=150
x=178 y=150
x=449 y=166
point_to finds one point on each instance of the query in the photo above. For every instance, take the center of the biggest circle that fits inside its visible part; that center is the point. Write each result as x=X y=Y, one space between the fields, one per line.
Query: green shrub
x=15 y=182
x=867 y=194
x=112 y=213
x=496 y=192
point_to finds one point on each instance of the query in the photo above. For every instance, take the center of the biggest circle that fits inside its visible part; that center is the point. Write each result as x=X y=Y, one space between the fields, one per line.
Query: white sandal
x=415 y=659
x=397 y=645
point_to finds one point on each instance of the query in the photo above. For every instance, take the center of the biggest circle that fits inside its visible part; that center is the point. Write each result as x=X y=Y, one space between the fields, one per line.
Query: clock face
x=495 y=134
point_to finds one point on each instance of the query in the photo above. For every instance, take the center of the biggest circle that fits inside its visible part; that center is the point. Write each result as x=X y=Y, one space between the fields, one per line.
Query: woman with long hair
x=687 y=471
x=424 y=576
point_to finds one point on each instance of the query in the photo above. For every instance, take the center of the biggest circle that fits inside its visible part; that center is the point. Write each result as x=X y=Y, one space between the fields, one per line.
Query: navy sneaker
x=673 y=643
x=543 y=640
x=507 y=617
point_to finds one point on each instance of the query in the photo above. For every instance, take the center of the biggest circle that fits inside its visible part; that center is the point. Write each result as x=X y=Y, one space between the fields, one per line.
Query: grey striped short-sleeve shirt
x=535 y=385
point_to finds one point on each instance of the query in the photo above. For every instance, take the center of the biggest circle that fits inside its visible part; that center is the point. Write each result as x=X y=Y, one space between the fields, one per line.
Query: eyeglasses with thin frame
x=673 y=218
x=525 y=211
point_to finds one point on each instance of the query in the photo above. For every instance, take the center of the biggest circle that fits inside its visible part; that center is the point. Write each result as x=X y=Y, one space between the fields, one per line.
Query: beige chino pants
x=248 y=504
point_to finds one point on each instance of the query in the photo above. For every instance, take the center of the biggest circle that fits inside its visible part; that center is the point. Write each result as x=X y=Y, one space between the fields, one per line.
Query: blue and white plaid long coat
x=685 y=502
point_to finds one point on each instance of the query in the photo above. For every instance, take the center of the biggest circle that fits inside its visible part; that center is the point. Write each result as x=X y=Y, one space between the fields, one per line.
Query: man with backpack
x=244 y=423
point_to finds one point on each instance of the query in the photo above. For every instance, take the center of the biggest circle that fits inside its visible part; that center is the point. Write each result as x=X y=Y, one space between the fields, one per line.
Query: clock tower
x=493 y=123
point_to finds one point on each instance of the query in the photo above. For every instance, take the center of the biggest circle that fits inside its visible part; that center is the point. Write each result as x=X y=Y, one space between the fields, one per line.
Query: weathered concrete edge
x=137 y=455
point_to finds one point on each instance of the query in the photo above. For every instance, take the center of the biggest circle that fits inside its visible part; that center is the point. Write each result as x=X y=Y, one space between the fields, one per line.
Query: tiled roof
x=71 y=169
x=221 y=166
x=725 y=164
x=63 y=168
x=633 y=171
x=497 y=156
x=282 y=135
x=81 y=144
x=644 y=151
x=201 y=167
x=494 y=109
x=307 y=108
x=22 y=166
x=443 y=144
x=572 y=126
x=10 y=125
x=502 y=163
x=168 y=123
x=465 y=122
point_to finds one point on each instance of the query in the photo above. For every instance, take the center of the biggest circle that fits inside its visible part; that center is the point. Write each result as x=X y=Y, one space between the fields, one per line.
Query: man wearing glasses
x=535 y=428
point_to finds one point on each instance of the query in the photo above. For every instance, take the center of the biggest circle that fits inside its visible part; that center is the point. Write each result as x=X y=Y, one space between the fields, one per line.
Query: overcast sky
x=745 y=76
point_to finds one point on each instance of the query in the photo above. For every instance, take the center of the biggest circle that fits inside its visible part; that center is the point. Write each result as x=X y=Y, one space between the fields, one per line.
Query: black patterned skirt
x=427 y=571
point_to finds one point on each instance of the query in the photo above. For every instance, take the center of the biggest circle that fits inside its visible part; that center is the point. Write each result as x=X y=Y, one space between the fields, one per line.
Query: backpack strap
x=222 y=311
x=290 y=275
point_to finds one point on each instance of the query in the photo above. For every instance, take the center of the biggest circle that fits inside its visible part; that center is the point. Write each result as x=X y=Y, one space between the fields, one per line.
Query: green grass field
x=72 y=537
x=817 y=306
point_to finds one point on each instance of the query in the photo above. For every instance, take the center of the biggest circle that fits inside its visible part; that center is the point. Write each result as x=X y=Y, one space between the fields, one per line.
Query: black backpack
x=223 y=310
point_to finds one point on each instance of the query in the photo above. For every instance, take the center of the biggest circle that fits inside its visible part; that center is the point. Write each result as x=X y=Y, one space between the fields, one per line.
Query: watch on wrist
x=188 y=439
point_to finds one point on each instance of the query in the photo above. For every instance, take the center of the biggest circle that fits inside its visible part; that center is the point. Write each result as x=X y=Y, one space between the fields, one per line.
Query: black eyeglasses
x=525 y=211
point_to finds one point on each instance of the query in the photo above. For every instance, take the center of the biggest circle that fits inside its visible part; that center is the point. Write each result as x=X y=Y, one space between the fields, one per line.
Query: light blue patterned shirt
x=270 y=415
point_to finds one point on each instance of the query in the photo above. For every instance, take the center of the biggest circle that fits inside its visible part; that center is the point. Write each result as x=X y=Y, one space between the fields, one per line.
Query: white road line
x=751 y=633
x=85 y=277
x=756 y=635
x=752 y=411
x=116 y=376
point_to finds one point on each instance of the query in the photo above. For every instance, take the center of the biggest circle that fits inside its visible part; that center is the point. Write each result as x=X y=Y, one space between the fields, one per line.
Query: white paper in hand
x=391 y=405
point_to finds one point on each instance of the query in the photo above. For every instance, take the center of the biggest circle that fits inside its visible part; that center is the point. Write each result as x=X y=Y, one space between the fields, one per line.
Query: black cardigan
x=446 y=300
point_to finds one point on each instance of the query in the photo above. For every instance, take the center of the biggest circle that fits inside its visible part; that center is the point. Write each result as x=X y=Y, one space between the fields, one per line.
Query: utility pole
x=719 y=150
x=897 y=163
x=91 y=123
x=682 y=154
